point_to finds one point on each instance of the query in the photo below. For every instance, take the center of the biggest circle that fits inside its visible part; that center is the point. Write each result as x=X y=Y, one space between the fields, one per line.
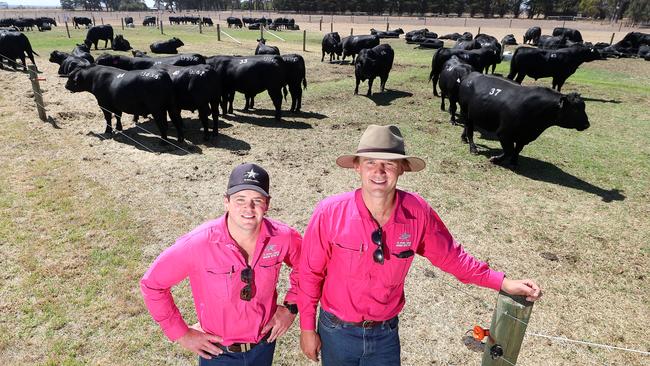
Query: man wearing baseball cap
x=357 y=250
x=233 y=264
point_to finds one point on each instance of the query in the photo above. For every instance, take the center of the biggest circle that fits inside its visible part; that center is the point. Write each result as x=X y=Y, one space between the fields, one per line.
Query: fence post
x=218 y=32
x=122 y=19
x=351 y=31
x=564 y=21
x=611 y=39
x=67 y=29
x=510 y=26
x=200 y=25
x=387 y=25
x=320 y=24
x=465 y=23
x=261 y=32
x=331 y=27
x=93 y=20
x=102 y=19
x=161 y=27
x=507 y=330
x=479 y=30
x=38 y=96
x=620 y=26
x=304 y=40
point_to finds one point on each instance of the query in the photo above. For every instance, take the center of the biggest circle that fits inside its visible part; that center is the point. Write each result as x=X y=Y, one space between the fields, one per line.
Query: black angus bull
x=13 y=46
x=149 y=21
x=295 y=73
x=558 y=64
x=139 y=92
x=532 y=35
x=263 y=49
x=170 y=46
x=508 y=40
x=453 y=73
x=553 y=42
x=518 y=114
x=140 y=63
x=97 y=33
x=207 y=21
x=483 y=41
x=67 y=62
x=428 y=42
x=250 y=75
x=77 y=21
x=572 y=35
x=234 y=22
x=332 y=46
x=83 y=51
x=479 y=59
x=25 y=24
x=44 y=23
x=371 y=63
x=386 y=34
x=197 y=88
x=353 y=44
x=128 y=20
x=419 y=35
x=121 y=44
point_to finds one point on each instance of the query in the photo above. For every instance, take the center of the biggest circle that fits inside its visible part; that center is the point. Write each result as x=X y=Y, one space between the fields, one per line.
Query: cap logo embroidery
x=251 y=175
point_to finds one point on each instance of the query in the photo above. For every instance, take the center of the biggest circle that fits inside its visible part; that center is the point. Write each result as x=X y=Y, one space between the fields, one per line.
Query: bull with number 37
x=518 y=114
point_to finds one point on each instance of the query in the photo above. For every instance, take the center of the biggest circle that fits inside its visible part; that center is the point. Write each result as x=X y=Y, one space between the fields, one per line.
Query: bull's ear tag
x=458 y=80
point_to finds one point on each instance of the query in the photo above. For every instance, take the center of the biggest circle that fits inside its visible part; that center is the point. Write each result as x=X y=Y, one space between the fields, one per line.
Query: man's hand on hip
x=200 y=343
x=310 y=344
x=279 y=323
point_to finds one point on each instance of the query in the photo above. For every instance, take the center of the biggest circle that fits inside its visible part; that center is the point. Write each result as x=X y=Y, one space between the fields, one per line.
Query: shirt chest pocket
x=267 y=274
x=219 y=281
x=349 y=259
x=397 y=265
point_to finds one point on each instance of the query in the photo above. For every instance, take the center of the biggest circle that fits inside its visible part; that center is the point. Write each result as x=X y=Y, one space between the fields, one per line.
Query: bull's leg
x=322 y=57
x=442 y=100
x=520 y=77
x=118 y=121
x=452 y=110
x=494 y=66
x=231 y=97
x=468 y=134
x=135 y=118
x=276 y=97
x=383 y=79
x=435 y=82
x=161 y=123
x=370 y=86
x=356 y=88
x=175 y=116
x=204 y=113
x=107 y=118
x=298 y=99
x=106 y=43
x=294 y=97
x=508 y=147
x=214 y=106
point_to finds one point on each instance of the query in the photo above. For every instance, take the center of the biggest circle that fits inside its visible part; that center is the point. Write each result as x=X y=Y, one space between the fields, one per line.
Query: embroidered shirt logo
x=271 y=251
x=404 y=240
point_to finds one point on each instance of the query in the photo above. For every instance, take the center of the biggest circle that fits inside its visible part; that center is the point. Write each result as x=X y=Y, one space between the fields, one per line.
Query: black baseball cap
x=248 y=176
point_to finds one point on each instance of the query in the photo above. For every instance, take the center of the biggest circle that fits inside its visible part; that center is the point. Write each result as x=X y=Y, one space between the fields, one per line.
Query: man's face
x=246 y=209
x=378 y=177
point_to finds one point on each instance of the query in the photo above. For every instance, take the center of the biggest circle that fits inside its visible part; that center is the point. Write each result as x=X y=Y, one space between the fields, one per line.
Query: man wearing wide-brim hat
x=358 y=248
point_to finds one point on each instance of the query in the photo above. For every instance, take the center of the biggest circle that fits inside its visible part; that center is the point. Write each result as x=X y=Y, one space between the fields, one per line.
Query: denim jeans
x=261 y=355
x=346 y=345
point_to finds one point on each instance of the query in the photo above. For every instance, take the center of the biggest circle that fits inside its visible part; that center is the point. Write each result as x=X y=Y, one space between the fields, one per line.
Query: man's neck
x=380 y=207
x=245 y=239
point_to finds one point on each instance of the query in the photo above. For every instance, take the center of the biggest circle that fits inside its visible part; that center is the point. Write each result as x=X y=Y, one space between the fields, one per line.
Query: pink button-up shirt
x=337 y=267
x=212 y=261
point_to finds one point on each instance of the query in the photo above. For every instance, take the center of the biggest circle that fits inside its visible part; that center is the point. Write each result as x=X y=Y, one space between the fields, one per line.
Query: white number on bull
x=243 y=61
x=495 y=91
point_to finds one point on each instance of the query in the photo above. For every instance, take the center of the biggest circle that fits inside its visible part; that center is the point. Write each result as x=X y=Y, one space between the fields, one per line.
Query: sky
x=46 y=2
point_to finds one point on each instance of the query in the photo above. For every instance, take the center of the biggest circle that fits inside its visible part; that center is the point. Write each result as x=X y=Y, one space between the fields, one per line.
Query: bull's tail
x=284 y=92
x=304 y=82
x=513 y=65
x=433 y=63
x=30 y=52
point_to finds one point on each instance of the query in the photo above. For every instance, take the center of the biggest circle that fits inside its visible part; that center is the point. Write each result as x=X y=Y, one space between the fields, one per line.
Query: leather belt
x=242 y=347
x=367 y=324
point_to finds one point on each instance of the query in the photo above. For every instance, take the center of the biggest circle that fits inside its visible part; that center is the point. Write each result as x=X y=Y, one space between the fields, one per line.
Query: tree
x=639 y=11
x=67 y=4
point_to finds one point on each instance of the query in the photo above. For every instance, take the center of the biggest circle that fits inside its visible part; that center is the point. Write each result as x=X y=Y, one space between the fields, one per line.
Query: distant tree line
x=636 y=10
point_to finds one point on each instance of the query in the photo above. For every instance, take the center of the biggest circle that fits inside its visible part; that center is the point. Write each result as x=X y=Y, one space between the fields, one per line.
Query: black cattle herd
x=161 y=86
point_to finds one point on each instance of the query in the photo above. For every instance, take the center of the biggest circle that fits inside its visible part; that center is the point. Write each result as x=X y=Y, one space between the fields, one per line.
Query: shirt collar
x=222 y=236
x=399 y=215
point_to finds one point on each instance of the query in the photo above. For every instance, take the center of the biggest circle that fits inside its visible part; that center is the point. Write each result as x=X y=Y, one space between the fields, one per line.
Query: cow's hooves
x=473 y=151
x=496 y=159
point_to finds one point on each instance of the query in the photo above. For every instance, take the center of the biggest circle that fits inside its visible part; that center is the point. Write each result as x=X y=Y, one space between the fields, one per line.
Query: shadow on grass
x=388 y=96
x=268 y=119
x=546 y=172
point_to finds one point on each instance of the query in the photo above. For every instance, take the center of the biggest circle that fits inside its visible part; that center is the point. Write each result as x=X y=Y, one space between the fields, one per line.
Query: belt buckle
x=367 y=324
x=245 y=347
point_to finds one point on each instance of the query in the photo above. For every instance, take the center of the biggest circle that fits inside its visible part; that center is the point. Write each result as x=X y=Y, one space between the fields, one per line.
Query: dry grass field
x=82 y=214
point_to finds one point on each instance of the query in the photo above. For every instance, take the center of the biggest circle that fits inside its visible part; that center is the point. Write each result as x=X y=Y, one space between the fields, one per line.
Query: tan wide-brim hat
x=382 y=142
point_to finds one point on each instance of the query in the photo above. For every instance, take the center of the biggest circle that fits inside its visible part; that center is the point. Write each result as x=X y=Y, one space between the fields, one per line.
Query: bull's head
x=177 y=42
x=57 y=57
x=88 y=43
x=572 y=112
x=77 y=79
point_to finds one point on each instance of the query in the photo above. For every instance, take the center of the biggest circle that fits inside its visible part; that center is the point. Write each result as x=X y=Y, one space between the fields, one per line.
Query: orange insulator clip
x=480 y=333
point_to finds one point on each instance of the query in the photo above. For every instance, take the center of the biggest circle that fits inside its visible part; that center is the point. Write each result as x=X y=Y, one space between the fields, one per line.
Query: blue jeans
x=261 y=355
x=345 y=345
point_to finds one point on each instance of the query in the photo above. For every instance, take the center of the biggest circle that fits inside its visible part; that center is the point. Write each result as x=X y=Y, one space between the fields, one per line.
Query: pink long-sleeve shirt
x=337 y=267
x=213 y=262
